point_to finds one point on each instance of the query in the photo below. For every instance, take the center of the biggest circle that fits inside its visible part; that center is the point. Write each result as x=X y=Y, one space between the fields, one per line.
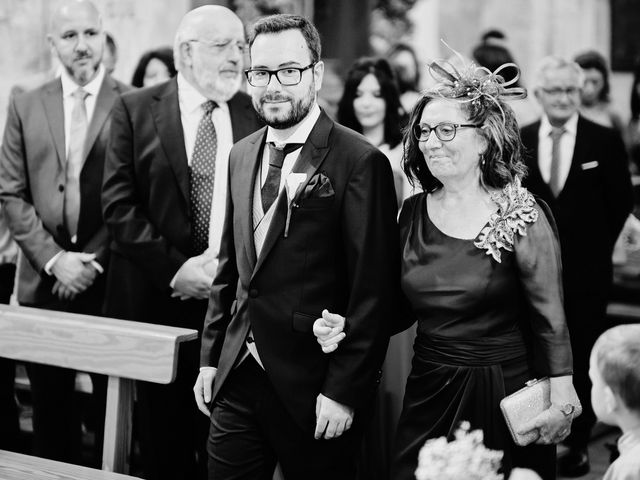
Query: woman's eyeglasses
x=445 y=131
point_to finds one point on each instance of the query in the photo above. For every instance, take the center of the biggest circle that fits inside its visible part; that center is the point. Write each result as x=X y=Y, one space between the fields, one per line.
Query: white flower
x=465 y=458
x=292 y=183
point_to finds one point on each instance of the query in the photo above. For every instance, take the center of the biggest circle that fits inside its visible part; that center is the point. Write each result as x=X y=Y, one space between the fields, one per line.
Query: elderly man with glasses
x=580 y=170
x=164 y=198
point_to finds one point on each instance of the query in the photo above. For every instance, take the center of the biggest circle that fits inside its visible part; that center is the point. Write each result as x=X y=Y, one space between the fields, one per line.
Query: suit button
x=61 y=188
x=253 y=293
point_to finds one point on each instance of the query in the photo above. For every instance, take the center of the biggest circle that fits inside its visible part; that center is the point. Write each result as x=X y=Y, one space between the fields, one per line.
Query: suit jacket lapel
x=54 y=110
x=251 y=162
x=311 y=157
x=106 y=96
x=166 y=114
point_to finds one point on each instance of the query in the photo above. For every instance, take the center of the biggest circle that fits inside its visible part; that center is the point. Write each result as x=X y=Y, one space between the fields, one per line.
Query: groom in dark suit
x=164 y=199
x=310 y=224
x=580 y=170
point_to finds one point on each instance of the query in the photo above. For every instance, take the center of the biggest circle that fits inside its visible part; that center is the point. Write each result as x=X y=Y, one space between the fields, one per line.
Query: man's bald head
x=208 y=51
x=76 y=36
x=66 y=9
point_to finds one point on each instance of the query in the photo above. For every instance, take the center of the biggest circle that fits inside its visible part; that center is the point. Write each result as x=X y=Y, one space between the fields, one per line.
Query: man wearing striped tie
x=51 y=167
x=310 y=223
x=164 y=197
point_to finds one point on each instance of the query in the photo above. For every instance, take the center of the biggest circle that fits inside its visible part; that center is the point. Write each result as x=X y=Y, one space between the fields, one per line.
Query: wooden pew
x=15 y=466
x=124 y=351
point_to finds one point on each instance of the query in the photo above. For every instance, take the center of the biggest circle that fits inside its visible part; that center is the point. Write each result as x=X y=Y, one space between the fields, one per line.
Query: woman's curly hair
x=502 y=161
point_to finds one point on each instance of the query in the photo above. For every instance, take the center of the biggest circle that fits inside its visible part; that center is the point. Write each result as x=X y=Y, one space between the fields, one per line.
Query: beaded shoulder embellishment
x=515 y=210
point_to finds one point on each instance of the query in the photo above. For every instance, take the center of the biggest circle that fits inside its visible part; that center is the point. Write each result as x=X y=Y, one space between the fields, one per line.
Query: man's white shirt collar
x=301 y=133
x=570 y=126
x=92 y=88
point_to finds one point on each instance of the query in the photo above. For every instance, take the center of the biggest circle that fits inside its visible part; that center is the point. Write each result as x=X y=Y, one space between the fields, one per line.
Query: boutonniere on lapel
x=292 y=184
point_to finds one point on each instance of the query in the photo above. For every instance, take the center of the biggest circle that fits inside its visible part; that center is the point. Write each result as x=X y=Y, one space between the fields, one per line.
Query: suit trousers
x=251 y=431
x=57 y=408
x=9 y=415
x=586 y=319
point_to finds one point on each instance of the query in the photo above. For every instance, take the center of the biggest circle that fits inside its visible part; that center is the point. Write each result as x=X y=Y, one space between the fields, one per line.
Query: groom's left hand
x=332 y=418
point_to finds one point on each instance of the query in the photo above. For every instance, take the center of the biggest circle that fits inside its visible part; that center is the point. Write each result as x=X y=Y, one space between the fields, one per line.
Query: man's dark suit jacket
x=593 y=205
x=341 y=253
x=32 y=179
x=146 y=204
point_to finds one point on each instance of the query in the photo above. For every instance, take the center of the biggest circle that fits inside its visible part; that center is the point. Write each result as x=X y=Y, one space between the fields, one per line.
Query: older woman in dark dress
x=480 y=274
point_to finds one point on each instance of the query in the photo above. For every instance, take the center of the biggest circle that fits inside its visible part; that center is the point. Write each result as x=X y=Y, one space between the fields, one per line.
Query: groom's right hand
x=202 y=388
x=332 y=418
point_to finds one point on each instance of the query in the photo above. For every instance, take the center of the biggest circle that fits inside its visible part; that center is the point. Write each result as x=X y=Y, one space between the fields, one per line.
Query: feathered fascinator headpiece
x=471 y=83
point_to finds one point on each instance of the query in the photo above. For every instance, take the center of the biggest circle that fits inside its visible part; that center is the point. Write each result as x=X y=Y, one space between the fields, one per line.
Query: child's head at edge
x=614 y=370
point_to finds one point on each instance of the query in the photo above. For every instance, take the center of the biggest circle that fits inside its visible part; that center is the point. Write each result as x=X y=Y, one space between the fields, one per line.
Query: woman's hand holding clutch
x=329 y=330
x=554 y=424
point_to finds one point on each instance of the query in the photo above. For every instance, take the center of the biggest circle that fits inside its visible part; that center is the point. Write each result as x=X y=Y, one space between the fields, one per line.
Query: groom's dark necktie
x=271 y=187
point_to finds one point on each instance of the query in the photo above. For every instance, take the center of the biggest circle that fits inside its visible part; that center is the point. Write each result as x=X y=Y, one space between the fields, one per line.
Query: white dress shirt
x=300 y=135
x=69 y=86
x=191 y=101
x=567 y=146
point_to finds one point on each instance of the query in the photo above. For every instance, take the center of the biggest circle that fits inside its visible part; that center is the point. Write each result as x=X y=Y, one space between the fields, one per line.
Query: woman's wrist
x=563 y=393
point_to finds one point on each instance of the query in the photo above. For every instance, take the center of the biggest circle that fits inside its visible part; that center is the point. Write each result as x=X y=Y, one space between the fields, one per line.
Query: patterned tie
x=271 y=187
x=77 y=136
x=201 y=178
x=554 y=177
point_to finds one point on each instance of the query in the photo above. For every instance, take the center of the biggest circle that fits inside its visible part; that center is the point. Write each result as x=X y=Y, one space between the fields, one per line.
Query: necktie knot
x=80 y=94
x=278 y=152
x=557 y=132
x=209 y=106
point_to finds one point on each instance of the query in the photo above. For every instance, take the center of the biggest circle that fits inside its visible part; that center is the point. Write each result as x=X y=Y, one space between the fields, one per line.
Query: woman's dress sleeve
x=538 y=259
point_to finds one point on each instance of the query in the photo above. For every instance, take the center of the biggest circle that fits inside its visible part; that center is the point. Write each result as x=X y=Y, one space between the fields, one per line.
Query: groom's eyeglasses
x=288 y=76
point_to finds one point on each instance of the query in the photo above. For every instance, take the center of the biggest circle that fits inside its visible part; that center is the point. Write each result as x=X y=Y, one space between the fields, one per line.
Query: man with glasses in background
x=310 y=223
x=164 y=201
x=580 y=170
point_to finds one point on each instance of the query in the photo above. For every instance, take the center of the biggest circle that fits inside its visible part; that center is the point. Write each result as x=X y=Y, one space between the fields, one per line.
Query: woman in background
x=404 y=61
x=155 y=66
x=370 y=105
x=596 y=105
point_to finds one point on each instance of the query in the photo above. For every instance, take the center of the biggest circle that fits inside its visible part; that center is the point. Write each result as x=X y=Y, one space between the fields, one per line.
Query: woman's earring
x=482 y=160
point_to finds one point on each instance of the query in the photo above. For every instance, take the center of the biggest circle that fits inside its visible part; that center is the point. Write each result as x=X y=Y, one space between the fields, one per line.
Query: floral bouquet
x=465 y=458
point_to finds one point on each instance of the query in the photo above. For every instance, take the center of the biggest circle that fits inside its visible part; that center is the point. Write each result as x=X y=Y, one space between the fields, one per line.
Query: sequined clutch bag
x=525 y=404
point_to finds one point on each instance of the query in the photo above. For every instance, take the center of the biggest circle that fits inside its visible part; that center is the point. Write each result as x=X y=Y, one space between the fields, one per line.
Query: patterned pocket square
x=589 y=165
x=318 y=187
